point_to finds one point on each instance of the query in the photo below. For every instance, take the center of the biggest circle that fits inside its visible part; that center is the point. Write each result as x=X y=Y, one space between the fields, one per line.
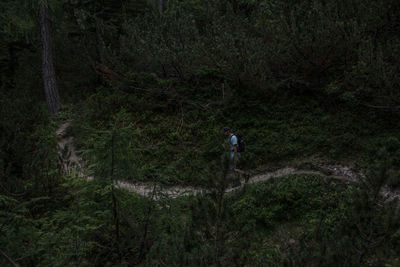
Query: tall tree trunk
x=160 y=5
x=49 y=77
x=100 y=43
x=13 y=61
x=114 y=199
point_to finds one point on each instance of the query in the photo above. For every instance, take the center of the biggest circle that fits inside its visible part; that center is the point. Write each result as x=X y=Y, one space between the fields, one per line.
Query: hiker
x=235 y=153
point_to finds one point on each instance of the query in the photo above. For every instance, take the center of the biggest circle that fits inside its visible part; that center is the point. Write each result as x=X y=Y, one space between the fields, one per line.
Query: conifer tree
x=48 y=72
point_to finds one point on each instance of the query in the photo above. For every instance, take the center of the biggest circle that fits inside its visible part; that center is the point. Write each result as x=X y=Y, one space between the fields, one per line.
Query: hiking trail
x=71 y=163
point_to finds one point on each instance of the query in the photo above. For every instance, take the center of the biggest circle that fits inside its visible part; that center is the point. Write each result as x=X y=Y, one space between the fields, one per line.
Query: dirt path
x=71 y=163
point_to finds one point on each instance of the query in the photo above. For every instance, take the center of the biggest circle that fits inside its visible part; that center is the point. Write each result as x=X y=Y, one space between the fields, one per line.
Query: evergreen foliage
x=149 y=91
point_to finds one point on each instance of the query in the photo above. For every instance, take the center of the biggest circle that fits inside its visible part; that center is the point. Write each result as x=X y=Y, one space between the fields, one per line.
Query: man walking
x=234 y=153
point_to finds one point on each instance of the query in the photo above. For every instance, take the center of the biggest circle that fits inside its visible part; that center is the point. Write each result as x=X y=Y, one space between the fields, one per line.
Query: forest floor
x=73 y=164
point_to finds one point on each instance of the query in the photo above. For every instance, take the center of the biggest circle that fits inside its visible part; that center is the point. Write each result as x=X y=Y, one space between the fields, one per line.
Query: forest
x=112 y=148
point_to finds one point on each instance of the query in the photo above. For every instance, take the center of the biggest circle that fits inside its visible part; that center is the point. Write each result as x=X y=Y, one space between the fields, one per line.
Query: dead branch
x=382 y=107
x=8 y=258
x=106 y=73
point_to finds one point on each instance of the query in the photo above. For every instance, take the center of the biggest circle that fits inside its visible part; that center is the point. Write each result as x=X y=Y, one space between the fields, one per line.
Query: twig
x=8 y=258
x=382 y=107
x=13 y=194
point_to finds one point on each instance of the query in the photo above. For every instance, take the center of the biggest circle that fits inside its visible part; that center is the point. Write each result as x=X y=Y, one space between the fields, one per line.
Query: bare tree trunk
x=100 y=43
x=143 y=249
x=160 y=5
x=12 y=65
x=217 y=239
x=49 y=77
x=114 y=199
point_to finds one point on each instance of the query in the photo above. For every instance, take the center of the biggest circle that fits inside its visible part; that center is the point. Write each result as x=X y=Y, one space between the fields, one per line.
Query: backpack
x=241 y=143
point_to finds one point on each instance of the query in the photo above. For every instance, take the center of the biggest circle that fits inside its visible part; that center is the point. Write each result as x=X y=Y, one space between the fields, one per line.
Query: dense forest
x=112 y=149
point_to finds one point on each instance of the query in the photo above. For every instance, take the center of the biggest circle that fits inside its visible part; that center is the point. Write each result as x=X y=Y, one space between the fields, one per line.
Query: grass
x=177 y=141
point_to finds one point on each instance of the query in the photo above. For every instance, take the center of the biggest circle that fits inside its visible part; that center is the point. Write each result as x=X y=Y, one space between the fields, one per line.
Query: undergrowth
x=177 y=139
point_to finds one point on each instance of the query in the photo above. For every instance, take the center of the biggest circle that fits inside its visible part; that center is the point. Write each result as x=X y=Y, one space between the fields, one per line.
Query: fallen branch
x=382 y=107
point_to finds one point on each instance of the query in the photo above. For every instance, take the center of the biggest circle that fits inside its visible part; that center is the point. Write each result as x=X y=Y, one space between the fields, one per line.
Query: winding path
x=71 y=163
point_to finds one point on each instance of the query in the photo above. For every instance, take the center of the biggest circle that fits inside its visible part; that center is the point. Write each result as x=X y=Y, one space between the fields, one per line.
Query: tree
x=160 y=5
x=49 y=77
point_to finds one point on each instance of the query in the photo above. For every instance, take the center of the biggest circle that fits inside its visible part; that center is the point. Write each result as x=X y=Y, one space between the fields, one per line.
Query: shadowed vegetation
x=150 y=84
